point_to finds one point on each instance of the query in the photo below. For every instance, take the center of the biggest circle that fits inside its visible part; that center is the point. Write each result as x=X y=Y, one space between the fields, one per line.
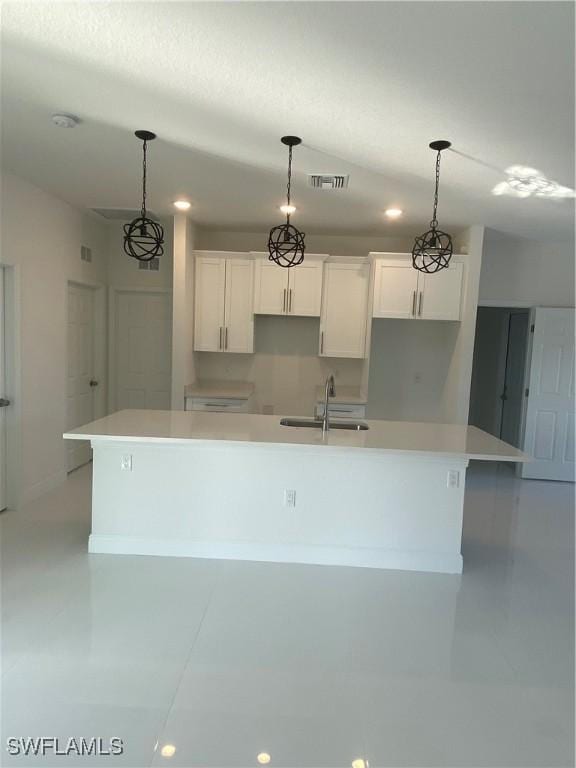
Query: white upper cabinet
x=293 y=291
x=305 y=288
x=400 y=291
x=395 y=289
x=441 y=294
x=210 y=285
x=344 y=309
x=238 y=315
x=270 y=288
x=223 y=319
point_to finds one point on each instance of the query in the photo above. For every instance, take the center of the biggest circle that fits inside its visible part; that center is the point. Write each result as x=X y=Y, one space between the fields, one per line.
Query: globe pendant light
x=144 y=238
x=433 y=250
x=285 y=242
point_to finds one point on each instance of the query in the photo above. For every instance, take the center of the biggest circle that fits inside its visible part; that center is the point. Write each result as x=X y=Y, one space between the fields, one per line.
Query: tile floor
x=313 y=666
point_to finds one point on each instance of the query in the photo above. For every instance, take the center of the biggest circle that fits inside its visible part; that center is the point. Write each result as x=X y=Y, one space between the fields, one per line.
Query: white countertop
x=398 y=437
x=349 y=395
x=240 y=390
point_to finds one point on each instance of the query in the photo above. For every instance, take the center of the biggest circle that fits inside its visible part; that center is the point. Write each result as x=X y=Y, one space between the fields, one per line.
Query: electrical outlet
x=453 y=479
x=126 y=463
x=290 y=497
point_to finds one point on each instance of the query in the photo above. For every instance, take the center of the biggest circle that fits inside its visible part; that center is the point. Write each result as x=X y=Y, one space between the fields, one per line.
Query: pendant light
x=433 y=250
x=285 y=242
x=144 y=238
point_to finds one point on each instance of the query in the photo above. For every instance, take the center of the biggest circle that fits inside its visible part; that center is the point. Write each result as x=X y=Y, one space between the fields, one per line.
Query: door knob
x=93 y=383
x=4 y=403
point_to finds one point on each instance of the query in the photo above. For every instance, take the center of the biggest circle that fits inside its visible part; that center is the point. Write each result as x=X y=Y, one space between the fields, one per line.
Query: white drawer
x=218 y=404
x=342 y=410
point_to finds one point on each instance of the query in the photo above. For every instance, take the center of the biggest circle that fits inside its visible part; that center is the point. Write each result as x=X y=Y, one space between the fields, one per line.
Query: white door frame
x=100 y=342
x=13 y=382
x=113 y=292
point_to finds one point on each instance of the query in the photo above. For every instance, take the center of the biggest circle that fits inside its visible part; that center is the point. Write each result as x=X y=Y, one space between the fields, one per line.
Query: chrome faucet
x=329 y=391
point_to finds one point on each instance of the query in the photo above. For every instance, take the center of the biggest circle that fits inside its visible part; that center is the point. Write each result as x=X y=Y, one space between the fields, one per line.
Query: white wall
x=183 y=359
x=335 y=245
x=41 y=238
x=123 y=270
x=526 y=272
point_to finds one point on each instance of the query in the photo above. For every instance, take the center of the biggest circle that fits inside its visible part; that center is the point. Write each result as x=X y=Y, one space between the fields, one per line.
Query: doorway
x=140 y=349
x=81 y=381
x=497 y=390
x=4 y=402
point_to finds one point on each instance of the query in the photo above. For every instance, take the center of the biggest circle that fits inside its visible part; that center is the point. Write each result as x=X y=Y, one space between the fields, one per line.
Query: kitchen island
x=242 y=486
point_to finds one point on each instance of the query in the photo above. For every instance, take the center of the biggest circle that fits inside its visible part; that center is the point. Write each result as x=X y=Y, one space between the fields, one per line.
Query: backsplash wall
x=285 y=367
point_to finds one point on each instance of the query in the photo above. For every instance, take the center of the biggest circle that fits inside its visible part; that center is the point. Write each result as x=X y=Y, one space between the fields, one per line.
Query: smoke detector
x=328 y=180
x=65 y=121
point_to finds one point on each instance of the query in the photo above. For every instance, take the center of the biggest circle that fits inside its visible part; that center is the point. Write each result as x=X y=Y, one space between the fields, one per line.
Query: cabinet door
x=344 y=309
x=305 y=289
x=440 y=294
x=209 y=303
x=239 y=312
x=270 y=288
x=395 y=290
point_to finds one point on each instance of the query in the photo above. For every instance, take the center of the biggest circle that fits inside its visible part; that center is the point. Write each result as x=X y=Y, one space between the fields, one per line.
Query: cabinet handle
x=413 y=302
x=226 y=338
x=284 y=301
x=321 y=342
x=420 y=305
x=220 y=339
x=290 y=300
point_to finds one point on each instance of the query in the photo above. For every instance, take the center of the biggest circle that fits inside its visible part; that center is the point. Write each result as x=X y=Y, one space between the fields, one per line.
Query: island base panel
x=363 y=509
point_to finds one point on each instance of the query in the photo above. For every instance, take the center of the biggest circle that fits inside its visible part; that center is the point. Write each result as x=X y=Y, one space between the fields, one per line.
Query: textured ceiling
x=367 y=86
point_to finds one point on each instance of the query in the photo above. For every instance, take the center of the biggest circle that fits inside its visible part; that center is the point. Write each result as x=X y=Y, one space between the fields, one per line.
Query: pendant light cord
x=144 y=179
x=289 y=181
x=434 y=222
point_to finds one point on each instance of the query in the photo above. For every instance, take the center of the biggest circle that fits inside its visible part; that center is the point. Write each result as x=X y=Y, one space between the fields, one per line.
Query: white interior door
x=3 y=401
x=549 y=423
x=142 y=364
x=209 y=304
x=440 y=294
x=239 y=317
x=305 y=289
x=80 y=364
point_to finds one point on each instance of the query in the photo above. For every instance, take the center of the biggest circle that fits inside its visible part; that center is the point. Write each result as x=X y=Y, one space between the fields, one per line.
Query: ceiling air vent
x=151 y=264
x=328 y=180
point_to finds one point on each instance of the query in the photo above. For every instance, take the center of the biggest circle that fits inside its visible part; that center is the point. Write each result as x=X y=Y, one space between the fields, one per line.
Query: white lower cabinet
x=219 y=404
x=295 y=291
x=344 y=309
x=223 y=315
x=402 y=292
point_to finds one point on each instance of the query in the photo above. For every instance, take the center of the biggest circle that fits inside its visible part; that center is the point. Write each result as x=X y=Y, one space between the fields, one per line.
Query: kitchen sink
x=355 y=426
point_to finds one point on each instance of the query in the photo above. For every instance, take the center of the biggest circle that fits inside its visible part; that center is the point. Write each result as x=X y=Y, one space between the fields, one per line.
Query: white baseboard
x=279 y=553
x=36 y=490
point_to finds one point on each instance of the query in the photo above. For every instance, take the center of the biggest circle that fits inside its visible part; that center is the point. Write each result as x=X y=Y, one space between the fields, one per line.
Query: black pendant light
x=144 y=238
x=285 y=242
x=433 y=250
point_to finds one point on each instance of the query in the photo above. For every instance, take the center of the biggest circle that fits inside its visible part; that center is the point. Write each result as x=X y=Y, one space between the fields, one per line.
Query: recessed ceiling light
x=65 y=121
x=182 y=205
x=168 y=750
x=393 y=213
x=288 y=209
x=263 y=758
x=359 y=763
